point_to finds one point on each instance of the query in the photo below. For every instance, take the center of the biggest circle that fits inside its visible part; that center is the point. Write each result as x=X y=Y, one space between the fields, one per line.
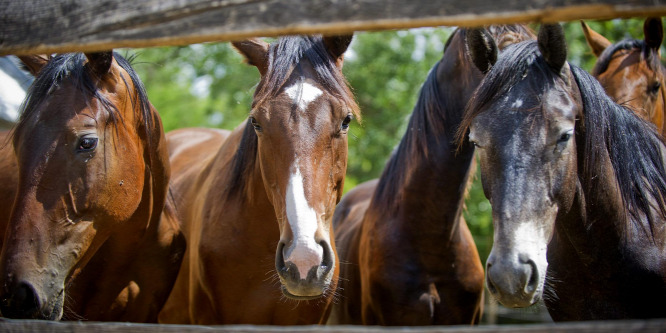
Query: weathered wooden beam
x=49 y=26
x=635 y=326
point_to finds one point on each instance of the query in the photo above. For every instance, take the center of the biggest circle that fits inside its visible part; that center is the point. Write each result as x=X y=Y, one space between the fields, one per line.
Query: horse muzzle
x=514 y=283
x=22 y=301
x=305 y=272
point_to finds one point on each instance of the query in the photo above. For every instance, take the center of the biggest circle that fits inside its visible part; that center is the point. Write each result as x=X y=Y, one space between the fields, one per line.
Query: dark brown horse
x=257 y=203
x=631 y=71
x=85 y=238
x=576 y=183
x=409 y=258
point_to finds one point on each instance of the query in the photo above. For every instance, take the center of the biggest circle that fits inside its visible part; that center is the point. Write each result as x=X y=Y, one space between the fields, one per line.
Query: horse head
x=300 y=115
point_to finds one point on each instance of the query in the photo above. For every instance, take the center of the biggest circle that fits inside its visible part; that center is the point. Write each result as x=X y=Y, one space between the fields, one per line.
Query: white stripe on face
x=303 y=93
x=305 y=252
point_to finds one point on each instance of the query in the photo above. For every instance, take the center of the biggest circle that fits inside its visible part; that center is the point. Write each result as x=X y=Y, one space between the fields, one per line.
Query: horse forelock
x=289 y=53
x=519 y=62
x=633 y=147
x=71 y=67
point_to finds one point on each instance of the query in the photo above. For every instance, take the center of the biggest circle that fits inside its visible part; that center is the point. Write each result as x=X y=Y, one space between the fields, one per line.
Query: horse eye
x=255 y=124
x=655 y=87
x=346 y=121
x=564 y=137
x=87 y=144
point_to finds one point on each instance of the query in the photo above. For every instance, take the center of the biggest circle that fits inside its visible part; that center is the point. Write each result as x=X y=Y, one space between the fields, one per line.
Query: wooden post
x=48 y=26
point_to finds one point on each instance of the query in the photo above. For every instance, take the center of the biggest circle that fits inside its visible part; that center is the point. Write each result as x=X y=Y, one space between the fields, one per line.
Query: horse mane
x=284 y=56
x=430 y=115
x=650 y=56
x=71 y=66
x=632 y=145
x=436 y=115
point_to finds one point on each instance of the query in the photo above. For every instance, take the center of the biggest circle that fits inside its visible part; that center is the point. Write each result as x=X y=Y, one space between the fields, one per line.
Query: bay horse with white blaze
x=631 y=71
x=409 y=258
x=576 y=183
x=257 y=204
x=85 y=239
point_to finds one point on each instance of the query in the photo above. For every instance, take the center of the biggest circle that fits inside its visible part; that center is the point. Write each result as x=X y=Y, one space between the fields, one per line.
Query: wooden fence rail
x=48 y=26
x=642 y=326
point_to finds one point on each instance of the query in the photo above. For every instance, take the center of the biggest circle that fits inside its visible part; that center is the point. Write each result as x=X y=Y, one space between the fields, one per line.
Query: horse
x=91 y=235
x=576 y=183
x=14 y=83
x=409 y=256
x=256 y=204
x=631 y=71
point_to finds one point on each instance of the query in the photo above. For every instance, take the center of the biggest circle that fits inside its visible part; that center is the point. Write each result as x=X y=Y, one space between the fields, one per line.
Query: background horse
x=631 y=71
x=85 y=236
x=409 y=258
x=257 y=204
x=576 y=182
x=14 y=83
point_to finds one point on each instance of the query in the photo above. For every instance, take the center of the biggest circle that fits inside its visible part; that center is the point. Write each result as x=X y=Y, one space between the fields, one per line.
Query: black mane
x=433 y=115
x=632 y=144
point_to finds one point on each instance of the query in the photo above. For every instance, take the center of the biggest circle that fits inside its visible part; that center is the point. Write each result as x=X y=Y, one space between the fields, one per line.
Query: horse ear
x=553 y=46
x=99 y=63
x=336 y=46
x=596 y=41
x=653 y=32
x=481 y=48
x=34 y=63
x=255 y=52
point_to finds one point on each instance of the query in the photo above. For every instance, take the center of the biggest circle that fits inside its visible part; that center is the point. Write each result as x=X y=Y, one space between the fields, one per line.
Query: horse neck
x=596 y=222
x=429 y=172
x=250 y=194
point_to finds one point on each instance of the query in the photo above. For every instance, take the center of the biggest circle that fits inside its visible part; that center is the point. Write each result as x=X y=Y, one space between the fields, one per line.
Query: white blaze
x=531 y=240
x=303 y=93
x=517 y=103
x=305 y=252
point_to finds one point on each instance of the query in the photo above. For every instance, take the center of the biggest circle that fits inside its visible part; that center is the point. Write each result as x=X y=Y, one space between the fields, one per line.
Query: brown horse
x=631 y=71
x=576 y=183
x=8 y=180
x=409 y=256
x=85 y=238
x=257 y=203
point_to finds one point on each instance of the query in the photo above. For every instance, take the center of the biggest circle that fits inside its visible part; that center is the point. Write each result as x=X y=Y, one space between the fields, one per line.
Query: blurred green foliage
x=208 y=85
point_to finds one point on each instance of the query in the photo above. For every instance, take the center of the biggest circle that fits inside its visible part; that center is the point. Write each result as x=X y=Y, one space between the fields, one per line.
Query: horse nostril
x=489 y=280
x=533 y=277
x=328 y=260
x=21 y=304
